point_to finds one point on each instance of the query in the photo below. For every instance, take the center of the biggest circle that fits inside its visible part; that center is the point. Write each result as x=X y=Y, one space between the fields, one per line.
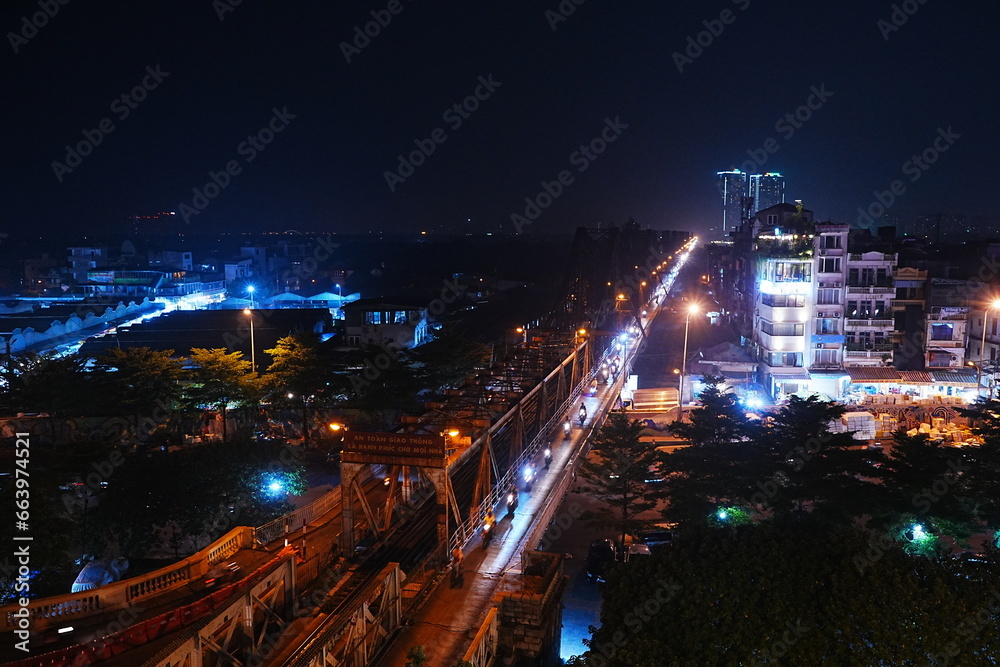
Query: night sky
x=555 y=90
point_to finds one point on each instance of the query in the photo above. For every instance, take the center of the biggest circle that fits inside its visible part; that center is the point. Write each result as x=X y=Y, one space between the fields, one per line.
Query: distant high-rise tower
x=766 y=191
x=733 y=187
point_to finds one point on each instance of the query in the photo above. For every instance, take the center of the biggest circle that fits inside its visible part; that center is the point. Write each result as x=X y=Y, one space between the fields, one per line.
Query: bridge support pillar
x=349 y=474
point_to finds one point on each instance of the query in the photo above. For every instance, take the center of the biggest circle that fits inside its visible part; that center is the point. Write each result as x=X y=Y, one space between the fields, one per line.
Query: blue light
x=723 y=515
x=918 y=532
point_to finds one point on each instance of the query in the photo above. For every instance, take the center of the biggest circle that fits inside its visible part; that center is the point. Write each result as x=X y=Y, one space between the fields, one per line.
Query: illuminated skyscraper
x=733 y=188
x=766 y=191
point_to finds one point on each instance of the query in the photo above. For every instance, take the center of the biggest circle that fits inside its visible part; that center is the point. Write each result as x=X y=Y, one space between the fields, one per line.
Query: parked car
x=662 y=535
x=600 y=555
x=635 y=550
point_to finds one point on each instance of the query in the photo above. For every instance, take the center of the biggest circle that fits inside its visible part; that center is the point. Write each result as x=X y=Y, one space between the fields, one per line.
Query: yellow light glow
x=335 y=427
x=246 y=311
x=453 y=433
x=694 y=309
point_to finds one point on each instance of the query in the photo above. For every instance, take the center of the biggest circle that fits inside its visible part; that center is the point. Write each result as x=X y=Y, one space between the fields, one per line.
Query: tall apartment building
x=733 y=188
x=766 y=190
x=818 y=309
x=869 y=322
x=945 y=321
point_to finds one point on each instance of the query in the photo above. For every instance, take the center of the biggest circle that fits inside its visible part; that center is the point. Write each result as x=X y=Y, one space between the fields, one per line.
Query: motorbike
x=511 y=502
x=566 y=427
x=548 y=457
x=529 y=475
x=487 y=535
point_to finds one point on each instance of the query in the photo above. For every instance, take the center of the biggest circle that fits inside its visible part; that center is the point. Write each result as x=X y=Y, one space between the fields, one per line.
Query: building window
x=942 y=331
x=831 y=242
x=772 y=218
x=827 y=297
x=827 y=357
x=373 y=317
x=781 y=328
x=784 y=300
x=789 y=359
x=400 y=317
x=829 y=265
x=828 y=326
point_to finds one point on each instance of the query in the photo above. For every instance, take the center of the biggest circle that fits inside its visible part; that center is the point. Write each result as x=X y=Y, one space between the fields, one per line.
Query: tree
x=983 y=462
x=722 y=465
x=298 y=368
x=219 y=378
x=617 y=475
x=719 y=419
x=927 y=479
x=791 y=594
x=814 y=465
x=46 y=382
x=145 y=382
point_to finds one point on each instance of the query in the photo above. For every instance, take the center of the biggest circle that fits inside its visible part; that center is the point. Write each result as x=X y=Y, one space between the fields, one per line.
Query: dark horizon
x=292 y=124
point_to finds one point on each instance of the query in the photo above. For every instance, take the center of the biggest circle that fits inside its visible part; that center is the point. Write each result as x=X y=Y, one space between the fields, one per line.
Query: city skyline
x=324 y=119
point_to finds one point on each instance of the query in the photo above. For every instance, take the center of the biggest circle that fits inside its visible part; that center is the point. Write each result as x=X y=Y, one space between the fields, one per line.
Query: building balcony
x=903 y=303
x=950 y=344
x=870 y=289
x=869 y=354
x=877 y=324
x=831 y=252
x=872 y=347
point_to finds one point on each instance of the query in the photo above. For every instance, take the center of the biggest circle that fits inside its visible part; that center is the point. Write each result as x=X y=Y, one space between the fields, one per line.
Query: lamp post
x=982 y=345
x=253 y=347
x=250 y=290
x=691 y=310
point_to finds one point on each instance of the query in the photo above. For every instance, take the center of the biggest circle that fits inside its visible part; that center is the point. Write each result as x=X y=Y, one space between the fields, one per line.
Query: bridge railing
x=465 y=531
x=483 y=651
x=45 y=612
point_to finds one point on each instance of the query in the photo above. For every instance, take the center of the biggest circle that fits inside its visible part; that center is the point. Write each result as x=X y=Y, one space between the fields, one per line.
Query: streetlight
x=522 y=330
x=253 y=348
x=250 y=290
x=982 y=345
x=691 y=310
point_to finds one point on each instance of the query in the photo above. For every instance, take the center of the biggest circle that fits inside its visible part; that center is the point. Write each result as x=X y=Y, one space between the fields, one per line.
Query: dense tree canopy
x=617 y=473
x=794 y=594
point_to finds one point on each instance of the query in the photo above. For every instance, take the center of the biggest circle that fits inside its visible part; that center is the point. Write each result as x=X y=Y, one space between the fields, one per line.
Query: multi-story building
x=945 y=323
x=733 y=188
x=84 y=258
x=827 y=319
x=869 y=321
x=908 y=312
x=766 y=190
x=784 y=293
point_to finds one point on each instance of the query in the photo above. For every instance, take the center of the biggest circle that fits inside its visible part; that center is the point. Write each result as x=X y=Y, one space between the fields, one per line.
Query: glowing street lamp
x=250 y=290
x=524 y=333
x=982 y=346
x=253 y=347
x=691 y=310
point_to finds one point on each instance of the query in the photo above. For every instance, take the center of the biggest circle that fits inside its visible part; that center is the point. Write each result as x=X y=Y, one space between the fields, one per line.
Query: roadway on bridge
x=447 y=621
